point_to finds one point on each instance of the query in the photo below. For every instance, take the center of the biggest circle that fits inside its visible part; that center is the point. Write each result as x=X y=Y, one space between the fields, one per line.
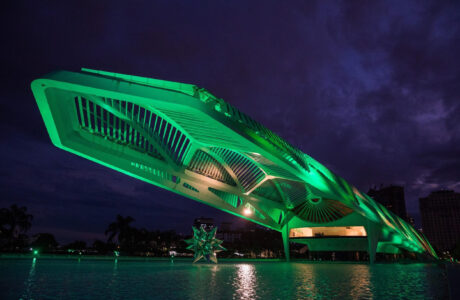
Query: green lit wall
x=183 y=139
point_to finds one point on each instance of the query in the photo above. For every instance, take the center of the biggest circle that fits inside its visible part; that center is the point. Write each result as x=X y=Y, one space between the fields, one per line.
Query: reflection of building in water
x=314 y=281
x=441 y=218
x=306 y=277
x=359 y=276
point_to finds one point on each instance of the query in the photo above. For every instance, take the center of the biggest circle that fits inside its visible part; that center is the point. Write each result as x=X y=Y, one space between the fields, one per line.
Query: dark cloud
x=368 y=88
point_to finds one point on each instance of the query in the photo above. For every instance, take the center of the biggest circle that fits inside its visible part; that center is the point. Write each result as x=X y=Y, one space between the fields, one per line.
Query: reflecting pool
x=123 y=279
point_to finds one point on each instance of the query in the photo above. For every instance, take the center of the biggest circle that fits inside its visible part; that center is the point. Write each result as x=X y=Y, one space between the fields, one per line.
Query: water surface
x=109 y=279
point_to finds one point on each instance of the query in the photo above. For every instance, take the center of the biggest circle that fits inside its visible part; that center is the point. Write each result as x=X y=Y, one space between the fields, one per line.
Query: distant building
x=441 y=218
x=229 y=236
x=226 y=233
x=225 y=226
x=392 y=197
x=411 y=220
x=207 y=223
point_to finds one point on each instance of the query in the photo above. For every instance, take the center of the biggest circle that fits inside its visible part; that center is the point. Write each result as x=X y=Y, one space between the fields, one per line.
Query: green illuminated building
x=183 y=139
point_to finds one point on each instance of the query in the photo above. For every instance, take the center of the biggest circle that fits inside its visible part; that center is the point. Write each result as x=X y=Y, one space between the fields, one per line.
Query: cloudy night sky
x=370 y=89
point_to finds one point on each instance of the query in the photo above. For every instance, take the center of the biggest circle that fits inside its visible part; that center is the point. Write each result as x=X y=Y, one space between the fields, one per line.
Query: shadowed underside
x=183 y=139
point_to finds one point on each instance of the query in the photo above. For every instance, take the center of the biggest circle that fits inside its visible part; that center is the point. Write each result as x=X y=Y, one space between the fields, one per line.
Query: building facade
x=392 y=197
x=440 y=213
x=184 y=139
x=207 y=223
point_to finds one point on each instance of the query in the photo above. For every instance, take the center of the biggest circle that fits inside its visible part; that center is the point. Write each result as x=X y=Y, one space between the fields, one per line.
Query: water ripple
x=94 y=279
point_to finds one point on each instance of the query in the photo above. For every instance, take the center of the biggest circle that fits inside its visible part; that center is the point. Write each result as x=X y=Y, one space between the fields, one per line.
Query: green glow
x=204 y=244
x=35 y=252
x=184 y=139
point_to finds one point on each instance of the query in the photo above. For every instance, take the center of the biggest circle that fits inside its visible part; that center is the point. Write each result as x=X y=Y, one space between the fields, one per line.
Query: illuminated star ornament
x=204 y=244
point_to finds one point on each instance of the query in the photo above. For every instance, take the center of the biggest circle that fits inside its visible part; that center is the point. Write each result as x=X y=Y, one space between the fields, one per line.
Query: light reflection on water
x=306 y=284
x=120 y=279
x=326 y=281
x=30 y=280
x=245 y=282
x=360 y=282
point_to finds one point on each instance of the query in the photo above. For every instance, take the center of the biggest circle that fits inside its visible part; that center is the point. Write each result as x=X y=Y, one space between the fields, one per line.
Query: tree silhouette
x=76 y=245
x=102 y=247
x=120 y=229
x=15 y=220
x=14 y=223
x=45 y=242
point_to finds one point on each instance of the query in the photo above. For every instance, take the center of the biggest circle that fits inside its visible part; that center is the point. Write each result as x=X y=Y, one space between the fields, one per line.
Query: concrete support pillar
x=373 y=234
x=285 y=235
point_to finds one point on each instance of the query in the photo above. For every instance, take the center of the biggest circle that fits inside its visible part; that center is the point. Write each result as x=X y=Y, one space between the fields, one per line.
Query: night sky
x=370 y=89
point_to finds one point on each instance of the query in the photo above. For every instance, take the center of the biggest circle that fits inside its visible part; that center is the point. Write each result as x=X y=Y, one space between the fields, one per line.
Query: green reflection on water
x=122 y=279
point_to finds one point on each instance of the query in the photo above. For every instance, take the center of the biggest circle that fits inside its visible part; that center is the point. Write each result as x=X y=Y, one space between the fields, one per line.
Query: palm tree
x=15 y=220
x=4 y=219
x=120 y=229
x=14 y=223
